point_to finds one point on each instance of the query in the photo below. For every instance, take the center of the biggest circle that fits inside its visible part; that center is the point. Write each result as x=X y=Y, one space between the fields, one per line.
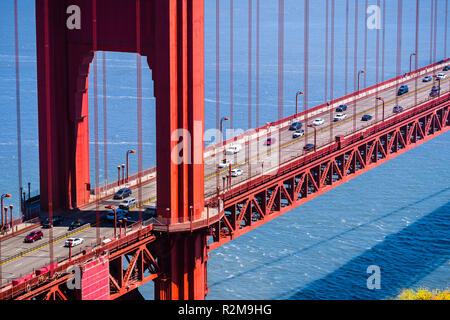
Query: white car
x=441 y=76
x=127 y=204
x=236 y=172
x=299 y=133
x=72 y=242
x=318 y=122
x=340 y=116
x=225 y=164
x=233 y=149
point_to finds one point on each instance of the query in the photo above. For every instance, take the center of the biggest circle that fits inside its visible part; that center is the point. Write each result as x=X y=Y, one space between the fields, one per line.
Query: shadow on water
x=404 y=258
x=434 y=228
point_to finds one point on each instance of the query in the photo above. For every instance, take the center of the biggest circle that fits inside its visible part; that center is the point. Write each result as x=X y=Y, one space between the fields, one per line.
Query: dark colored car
x=446 y=68
x=57 y=220
x=150 y=212
x=308 y=147
x=434 y=91
x=33 y=236
x=122 y=193
x=76 y=224
x=402 y=90
x=270 y=141
x=397 y=109
x=366 y=117
x=120 y=214
x=295 y=126
x=341 y=108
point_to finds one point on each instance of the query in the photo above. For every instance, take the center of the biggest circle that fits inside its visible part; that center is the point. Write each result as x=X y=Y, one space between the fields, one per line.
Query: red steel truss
x=265 y=198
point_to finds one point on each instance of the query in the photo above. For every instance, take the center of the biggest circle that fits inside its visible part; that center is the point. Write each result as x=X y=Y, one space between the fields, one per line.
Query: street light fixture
x=123 y=173
x=382 y=100
x=410 y=61
x=5 y=195
x=359 y=73
x=128 y=152
x=296 y=101
x=115 y=218
x=221 y=127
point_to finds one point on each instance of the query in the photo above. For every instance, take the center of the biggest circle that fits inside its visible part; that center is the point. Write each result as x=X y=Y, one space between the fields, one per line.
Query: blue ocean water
x=395 y=216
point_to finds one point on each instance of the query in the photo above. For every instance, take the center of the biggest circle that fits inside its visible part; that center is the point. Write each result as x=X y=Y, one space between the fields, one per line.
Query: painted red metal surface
x=95 y=279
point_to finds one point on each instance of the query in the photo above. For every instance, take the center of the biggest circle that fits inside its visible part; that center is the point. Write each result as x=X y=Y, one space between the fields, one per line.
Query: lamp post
x=410 y=61
x=123 y=173
x=382 y=100
x=11 y=213
x=115 y=219
x=359 y=73
x=118 y=175
x=221 y=128
x=5 y=195
x=315 y=135
x=128 y=152
x=296 y=101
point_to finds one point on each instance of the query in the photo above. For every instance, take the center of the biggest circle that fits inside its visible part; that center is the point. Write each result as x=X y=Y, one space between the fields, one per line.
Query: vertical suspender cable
x=306 y=67
x=355 y=64
x=445 y=30
x=257 y=63
x=105 y=131
x=332 y=66
x=139 y=101
x=280 y=58
x=377 y=72
x=383 y=40
x=435 y=30
x=231 y=65
x=326 y=51
x=365 y=42
x=18 y=113
x=417 y=45
x=217 y=64
x=431 y=31
x=249 y=64
x=346 y=46
x=399 y=43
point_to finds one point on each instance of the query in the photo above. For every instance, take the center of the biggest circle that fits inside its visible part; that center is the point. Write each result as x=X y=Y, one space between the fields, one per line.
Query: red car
x=270 y=141
x=33 y=236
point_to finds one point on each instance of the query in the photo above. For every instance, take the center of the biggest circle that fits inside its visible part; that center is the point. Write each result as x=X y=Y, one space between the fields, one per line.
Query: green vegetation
x=424 y=294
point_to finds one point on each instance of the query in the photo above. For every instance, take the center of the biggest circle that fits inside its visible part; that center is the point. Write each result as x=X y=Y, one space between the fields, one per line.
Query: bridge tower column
x=183 y=267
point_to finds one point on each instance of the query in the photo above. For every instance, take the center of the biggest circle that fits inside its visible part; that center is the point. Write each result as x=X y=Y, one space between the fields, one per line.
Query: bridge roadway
x=284 y=149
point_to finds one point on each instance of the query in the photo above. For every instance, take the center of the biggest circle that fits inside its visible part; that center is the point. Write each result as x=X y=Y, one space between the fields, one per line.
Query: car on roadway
x=233 y=149
x=236 y=172
x=72 y=242
x=298 y=134
x=225 y=163
x=341 y=108
x=122 y=193
x=270 y=141
x=434 y=91
x=339 y=117
x=308 y=147
x=295 y=126
x=397 y=109
x=427 y=79
x=366 y=117
x=441 y=76
x=34 y=236
x=150 y=212
x=120 y=214
x=127 y=204
x=446 y=68
x=77 y=223
x=402 y=90
x=56 y=220
x=318 y=122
